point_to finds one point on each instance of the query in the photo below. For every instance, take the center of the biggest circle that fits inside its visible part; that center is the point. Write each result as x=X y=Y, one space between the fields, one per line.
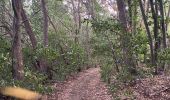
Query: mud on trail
x=86 y=86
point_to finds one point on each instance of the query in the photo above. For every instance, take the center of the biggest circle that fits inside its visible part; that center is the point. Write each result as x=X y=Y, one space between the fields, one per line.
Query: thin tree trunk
x=155 y=18
x=167 y=16
x=17 y=59
x=59 y=43
x=87 y=45
x=130 y=11
x=148 y=32
x=28 y=29
x=30 y=33
x=45 y=22
x=163 y=29
x=134 y=16
x=76 y=21
x=163 y=23
x=113 y=53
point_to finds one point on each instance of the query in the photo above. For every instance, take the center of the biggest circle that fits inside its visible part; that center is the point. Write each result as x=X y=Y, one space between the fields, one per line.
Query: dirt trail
x=86 y=86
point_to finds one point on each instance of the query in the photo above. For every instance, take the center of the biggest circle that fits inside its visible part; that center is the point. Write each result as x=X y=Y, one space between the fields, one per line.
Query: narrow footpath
x=87 y=85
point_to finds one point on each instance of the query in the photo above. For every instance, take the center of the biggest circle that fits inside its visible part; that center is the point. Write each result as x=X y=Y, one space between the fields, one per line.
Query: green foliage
x=164 y=55
x=107 y=32
x=125 y=76
x=106 y=37
x=108 y=24
x=32 y=80
x=107 y=72
x=140 y=42
x=4 y=51
x=140 y=45
x=114 y=87
x=48 y=53
x=5 y=60
x=35 y=81
x=62 y=55
x=61 y=65
x=100 y=48
x=74 y=60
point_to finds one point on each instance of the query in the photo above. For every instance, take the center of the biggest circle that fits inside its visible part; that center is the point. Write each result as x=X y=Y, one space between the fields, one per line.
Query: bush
x=73 y=62
x=32 y=80
x=106 y=73
x=164 y=55
x=125 y=76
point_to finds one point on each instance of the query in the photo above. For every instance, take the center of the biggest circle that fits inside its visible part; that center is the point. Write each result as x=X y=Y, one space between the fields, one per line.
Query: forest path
x=86 y=86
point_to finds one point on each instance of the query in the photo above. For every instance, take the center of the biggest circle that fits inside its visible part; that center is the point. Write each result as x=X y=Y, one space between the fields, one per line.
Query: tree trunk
x=113 y=53
x=163 y=29
x=45 y=22
x=162 y=23
x=87 y=45
x=155 y=16
x=130 y=10
x=28 y=29
x=133 y=14
x=148 y=33
x=167 y=16
x=30 y=33
x=43 y=64
x=17 y=59
x=77 y=22
x=125 y=38
x=89 y=4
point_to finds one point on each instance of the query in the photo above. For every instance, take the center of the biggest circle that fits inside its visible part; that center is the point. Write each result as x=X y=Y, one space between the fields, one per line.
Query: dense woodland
x=44 y=41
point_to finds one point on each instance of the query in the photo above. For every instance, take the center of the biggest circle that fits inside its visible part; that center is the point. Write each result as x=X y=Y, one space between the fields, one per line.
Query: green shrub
x=106 y=72
x=164 y=55
x=32 y=80
x=74 y=60
x=125 y=76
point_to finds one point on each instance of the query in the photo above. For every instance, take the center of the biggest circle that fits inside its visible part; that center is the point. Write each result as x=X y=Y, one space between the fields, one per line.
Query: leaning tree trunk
x=17 y=59
x=148 y=32
x=30 y=33
x=28 y=29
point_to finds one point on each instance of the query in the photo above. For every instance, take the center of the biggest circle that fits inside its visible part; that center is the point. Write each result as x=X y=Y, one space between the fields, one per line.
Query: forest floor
x=87 y=85
x=155 y=88
x=152 y=88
